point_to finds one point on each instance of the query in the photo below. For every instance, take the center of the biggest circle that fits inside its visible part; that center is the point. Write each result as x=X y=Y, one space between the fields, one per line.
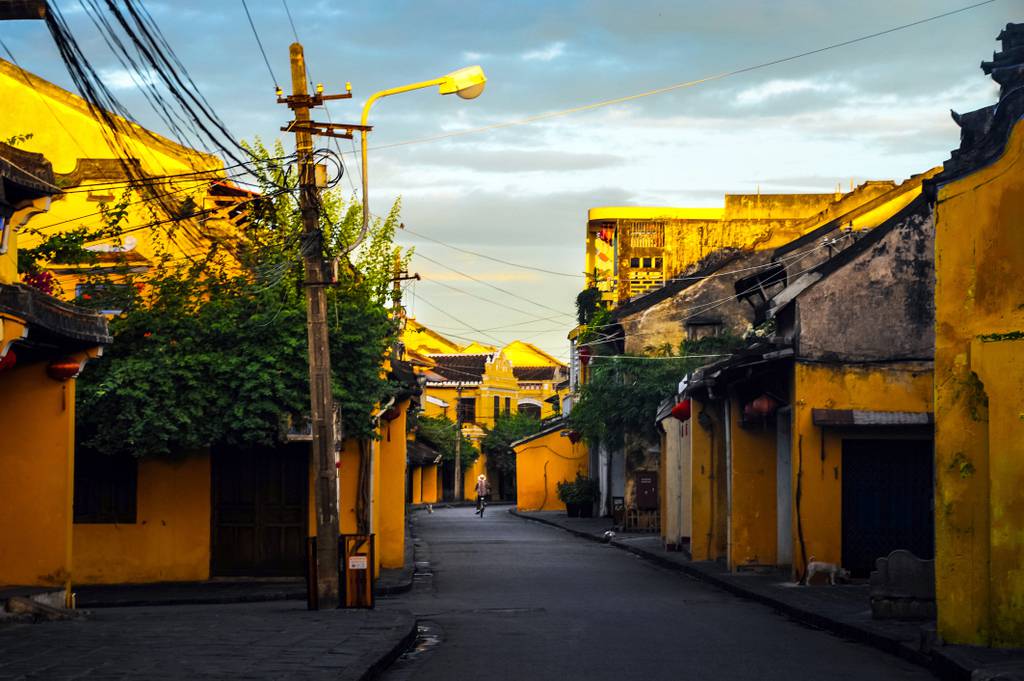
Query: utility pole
x=458 y=443
x=318 y=276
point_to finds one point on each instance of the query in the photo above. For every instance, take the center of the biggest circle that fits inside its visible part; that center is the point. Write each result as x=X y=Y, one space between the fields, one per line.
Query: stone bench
x=903 y=587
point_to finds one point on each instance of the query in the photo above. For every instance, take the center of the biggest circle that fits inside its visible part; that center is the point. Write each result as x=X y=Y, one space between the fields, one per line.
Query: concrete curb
x=945 y=666
x=387 y=657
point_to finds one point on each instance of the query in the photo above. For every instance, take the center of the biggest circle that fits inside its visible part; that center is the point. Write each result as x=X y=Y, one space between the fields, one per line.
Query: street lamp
x=467 y=83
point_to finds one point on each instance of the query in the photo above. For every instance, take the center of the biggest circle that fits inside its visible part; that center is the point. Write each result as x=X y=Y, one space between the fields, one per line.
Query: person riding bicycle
x=483 y=490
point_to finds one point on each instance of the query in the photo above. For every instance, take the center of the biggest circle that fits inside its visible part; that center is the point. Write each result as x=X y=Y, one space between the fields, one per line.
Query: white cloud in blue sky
x=873 y=110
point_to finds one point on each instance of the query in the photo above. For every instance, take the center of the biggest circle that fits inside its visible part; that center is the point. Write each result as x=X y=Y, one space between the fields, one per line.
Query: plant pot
x=573 y=510
x=587 y=510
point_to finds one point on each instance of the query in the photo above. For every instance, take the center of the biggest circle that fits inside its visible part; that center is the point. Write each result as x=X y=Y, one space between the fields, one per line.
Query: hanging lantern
x=8 y=361
x=765 y=405
x=63 y=369
x=575 y=436
x=748 y=412
x=682 y=410
x=584 y=354
x=391 y=414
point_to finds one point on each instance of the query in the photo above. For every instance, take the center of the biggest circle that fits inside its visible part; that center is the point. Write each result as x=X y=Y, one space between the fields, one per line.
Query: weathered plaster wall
x=37 y=417
x=709 y=479
x=417 y=484
x=674 y=481
x=543 y=462
x=878 y=306
x=752 y=524
x=170 y=540
x=979 y=301
x=817 y=470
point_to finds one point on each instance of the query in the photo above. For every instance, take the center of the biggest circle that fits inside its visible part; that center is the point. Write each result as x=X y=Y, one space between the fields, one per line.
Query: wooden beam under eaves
x=12 y=10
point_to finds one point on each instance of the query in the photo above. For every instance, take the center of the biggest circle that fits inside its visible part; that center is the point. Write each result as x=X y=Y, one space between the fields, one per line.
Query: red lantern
x=584 y=353
x=391 y=414
x=682 y=410
x=575 y=436
x=8 y=361
x=765 y=405
x=64 y=369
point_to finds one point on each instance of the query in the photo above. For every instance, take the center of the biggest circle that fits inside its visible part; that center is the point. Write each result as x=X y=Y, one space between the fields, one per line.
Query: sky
x=877 y=109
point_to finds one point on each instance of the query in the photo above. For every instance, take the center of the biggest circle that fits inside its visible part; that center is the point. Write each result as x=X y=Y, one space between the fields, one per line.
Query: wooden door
x=260 y=511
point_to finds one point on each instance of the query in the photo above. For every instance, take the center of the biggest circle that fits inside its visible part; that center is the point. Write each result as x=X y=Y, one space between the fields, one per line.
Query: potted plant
x=578 y=496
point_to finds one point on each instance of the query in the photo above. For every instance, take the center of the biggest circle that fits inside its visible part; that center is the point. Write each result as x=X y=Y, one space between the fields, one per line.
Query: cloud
x=516 y=160
x=473 y=56
x=121 y=79
x=549 y=53
x=781 y=87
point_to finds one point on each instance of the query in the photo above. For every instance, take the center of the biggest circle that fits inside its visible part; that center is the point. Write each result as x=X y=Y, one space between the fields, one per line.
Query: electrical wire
x=677 y=86
x=290 y=22
x=486 y=300
x=259 y=43
x=457 y=320
x=489 y=257
x=496 y=288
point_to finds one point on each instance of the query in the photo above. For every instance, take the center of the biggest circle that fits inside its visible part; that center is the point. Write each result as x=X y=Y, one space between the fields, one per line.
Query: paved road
x=511 y=599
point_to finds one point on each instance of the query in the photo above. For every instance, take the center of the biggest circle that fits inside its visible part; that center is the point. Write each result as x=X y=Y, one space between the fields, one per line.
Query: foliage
x=15 y=140
x=215 y=351
x=439 y=433
x=507 y=428
x=587 y=303
x=623 y=393
x=68 y=247
x=580 y=491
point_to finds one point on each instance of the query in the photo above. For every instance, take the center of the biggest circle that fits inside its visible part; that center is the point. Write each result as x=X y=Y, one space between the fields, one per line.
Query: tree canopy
x=214 y=350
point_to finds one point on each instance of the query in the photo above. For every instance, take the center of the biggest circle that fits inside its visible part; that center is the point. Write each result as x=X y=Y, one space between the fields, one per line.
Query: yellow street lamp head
x=467 y=83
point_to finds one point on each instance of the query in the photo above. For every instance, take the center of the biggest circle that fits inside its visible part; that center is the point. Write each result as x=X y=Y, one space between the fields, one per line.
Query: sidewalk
x=273 y=640
x=843 y=609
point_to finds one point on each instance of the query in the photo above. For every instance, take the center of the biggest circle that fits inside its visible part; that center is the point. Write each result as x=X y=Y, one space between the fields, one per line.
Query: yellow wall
x=469 y=477
x=979 y=255
x=37 y=458
x=348 y=489
x=543 y=462
x=893 y=387
x=391 y=536
x=708 y=493
x=752 y=477
x=170 y=540
x=431 y=484
x=417 y=484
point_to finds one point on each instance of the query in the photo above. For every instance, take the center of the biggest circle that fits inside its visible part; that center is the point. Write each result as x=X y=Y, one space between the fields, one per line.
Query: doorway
x=260 y=511
x=887 y=501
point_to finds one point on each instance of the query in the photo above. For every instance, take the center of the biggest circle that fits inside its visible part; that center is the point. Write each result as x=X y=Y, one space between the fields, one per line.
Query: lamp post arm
x=362 y=145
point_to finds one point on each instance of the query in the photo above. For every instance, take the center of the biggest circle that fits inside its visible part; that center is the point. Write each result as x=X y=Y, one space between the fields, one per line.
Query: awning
x=857 y=417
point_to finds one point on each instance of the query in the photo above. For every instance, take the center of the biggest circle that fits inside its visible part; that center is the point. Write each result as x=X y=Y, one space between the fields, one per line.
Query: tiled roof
x=466 y=368
x=534 y=373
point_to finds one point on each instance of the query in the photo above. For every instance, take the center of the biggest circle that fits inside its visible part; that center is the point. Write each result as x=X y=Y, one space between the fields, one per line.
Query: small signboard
x=357 y=562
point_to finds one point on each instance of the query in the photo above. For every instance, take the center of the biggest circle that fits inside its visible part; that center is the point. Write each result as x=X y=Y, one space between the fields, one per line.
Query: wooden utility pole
x=323 y=411
x=458 y=443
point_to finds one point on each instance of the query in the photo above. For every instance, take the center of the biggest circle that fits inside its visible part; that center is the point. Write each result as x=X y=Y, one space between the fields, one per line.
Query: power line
x=489 y=257
x=486 y=300
x=496 y=288
x=290 y=22
x=260 y=44
x=459 y=321
x=678 y=86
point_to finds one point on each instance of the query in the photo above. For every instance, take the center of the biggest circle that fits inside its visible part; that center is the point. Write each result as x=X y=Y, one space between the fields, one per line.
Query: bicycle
x=481 y=504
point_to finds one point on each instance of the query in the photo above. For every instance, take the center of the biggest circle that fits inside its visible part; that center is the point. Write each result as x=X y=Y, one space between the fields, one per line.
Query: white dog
x=830 y=569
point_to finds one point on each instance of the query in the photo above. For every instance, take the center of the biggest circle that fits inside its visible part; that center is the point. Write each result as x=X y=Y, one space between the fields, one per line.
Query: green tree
x=439 y=432
x=207 y=352
x=507 y=428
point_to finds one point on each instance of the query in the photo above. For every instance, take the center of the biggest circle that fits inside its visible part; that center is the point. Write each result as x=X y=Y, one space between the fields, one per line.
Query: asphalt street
x=512 y=599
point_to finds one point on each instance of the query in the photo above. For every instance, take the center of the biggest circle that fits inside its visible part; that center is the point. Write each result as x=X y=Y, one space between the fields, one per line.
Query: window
x=634 y=262
x=497 y=407
x=508 y=405
x=704 y=328
x=530 y=410
x=105 y=488
x=647 y=263
x=657 y=263
x=467 y=409
x=104 y=298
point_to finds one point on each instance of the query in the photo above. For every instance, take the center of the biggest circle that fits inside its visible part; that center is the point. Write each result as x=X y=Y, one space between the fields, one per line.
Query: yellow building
x=44 y=343
x=480 y=382
x=979 y=369
x=182 y=204
x=822 y=431
x=633 y=250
